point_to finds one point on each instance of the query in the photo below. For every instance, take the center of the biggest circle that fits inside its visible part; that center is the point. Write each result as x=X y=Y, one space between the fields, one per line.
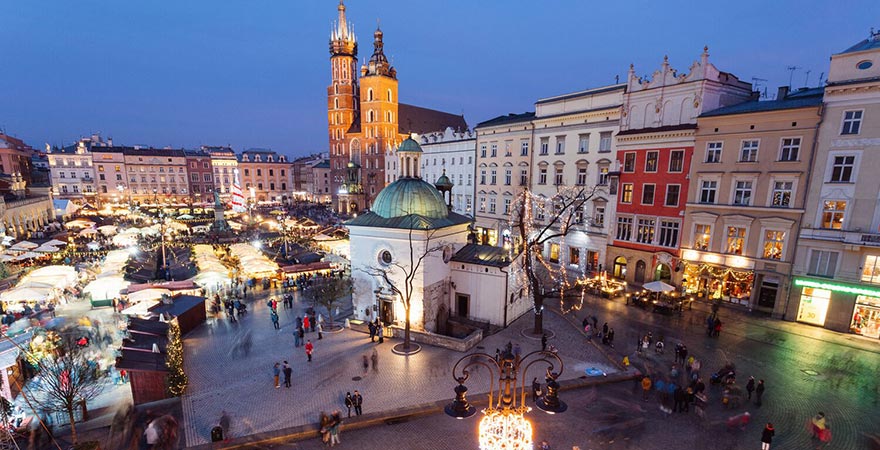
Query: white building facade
x=451 y=153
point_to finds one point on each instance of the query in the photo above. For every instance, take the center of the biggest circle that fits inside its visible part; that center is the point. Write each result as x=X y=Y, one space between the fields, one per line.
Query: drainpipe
x=506 y=287
x=806 y=191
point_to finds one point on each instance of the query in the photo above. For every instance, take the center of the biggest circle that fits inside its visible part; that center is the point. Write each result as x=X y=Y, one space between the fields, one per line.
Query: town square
x=594 y=235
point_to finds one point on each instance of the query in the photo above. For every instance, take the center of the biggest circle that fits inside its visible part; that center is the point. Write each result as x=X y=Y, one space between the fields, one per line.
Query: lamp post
x=504 y=425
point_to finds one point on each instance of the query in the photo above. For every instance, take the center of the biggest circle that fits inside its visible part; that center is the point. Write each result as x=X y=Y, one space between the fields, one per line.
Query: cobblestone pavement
x=222 y=377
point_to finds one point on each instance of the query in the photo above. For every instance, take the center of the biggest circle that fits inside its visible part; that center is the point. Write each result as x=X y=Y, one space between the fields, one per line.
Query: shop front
x=838 y=306
x=718 y=282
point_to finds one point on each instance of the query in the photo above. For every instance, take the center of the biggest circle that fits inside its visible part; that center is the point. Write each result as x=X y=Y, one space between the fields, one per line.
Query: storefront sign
x=857 y=290
x=814 y=306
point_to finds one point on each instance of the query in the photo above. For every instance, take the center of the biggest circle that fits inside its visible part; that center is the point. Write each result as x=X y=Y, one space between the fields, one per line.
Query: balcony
x=856 y=238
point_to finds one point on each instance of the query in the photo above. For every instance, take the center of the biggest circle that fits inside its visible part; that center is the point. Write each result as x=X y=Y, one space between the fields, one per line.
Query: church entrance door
x=462 y=302
x=386 y=312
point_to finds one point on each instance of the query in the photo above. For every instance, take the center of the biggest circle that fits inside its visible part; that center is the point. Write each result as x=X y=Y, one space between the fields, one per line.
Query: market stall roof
x=170 y=286
x=23 y=245
x=141 y=361
x=145 y=342
x=55 y=242
x=296 y=268
x=179 y=305
x=9 y=349
x=88 y=232
x=658 y=286
x=108 y=230
x=147 y=295
x=46 y=249
x=27 y=255
x=145 y=326
x=141 y=308
x=24 y=294
x=106 y=288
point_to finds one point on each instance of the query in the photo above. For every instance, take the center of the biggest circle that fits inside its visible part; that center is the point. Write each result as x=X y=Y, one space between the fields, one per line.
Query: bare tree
x=562 y=213
x=66 y=381
x=404 y=288
x=327 y=291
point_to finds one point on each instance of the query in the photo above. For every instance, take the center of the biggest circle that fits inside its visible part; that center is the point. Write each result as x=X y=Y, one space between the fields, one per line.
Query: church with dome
x=410 y=240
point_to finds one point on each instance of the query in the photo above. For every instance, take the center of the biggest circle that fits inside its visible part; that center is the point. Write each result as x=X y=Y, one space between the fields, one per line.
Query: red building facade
x=201 y=176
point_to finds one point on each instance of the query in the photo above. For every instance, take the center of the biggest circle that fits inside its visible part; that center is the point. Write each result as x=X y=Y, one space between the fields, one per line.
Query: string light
x=176 y=379
x=506 y=429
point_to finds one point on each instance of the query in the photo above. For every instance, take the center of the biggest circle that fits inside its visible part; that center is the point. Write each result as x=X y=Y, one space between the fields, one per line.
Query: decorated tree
x=327 y=291
x=68 y=380
x=399 y=274
x=176 y=379
x=536 y=221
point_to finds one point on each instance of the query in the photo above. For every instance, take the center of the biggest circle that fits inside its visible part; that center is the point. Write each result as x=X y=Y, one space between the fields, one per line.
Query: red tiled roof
x=415 y=119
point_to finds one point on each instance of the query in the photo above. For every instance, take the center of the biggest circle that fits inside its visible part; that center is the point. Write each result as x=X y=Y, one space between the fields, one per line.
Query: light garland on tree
x=176 y=380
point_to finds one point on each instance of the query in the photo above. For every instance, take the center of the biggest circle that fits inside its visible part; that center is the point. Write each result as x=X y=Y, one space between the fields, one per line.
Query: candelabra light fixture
x=504 y=424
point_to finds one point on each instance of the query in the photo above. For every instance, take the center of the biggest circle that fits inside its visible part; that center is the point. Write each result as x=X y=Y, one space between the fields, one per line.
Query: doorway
x=386 y=312
x=619 y=271
x=640 y=272
x=767 y=295
x=662 y=273
x=462 y=303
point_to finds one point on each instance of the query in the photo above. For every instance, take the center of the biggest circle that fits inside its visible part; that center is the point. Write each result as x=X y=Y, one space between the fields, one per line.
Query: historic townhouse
x=837 y=265
x=451 y=154
x=574 y=149
x=225 y=165
x=654 y=149
x=504 y=149
x=201 y=177
x=72 y=174
x=319 y=184
x=748 y=182
x=265 y=176
x=366 y=122
x=154 y=176
x=110 y=183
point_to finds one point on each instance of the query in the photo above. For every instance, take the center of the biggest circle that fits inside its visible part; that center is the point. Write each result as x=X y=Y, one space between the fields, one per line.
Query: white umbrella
x=27 y=255
x=148 y=294
x=93 y=246
x=23 y=245
x=185 y=217
x=79 y=223
x=108 y=230
x=46 y=249
x=88 y=231
x=106 y=288
x=658 y=286
x=55 y=242
x=24 y=294
x=6 y=258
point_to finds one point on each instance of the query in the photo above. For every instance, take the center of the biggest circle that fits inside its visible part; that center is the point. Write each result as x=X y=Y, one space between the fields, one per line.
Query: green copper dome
x=408 y=196
x=443 y=181
x=410 y=145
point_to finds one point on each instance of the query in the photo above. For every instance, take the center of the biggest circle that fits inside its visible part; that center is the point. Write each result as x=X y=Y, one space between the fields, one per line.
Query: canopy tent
x=6 y=258
x=35 y=283
x=148 y=294
x=46 y=249
x=55 y=243
x=210 y=278
x=24 y=294
x=185 y=217
x=126 y=239
x=79 y=223
x=27 y=255
x=201 y=228
x=88 y=232
x=93 y=246
x=108 y=230
x=658 y=286
x=49 y=271
x=106 y=287
x=23 y=246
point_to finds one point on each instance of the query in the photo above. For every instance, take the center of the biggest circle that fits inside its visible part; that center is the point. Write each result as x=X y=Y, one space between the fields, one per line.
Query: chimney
x=783 y=92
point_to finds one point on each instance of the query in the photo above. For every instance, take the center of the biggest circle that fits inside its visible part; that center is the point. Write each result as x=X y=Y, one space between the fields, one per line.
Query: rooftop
x=803 y=98
x=410 y=222
x=415 y=119
x=510 y=118
x=872 y=42
x=484 y=255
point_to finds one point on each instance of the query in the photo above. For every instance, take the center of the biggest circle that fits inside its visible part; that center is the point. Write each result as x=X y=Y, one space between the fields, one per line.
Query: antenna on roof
x=821 y=76
x=617 y=79
x=807 y=78
x=791 y=69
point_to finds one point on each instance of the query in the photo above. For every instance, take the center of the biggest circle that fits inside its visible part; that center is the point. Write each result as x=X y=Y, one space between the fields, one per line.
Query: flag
x=237 y=197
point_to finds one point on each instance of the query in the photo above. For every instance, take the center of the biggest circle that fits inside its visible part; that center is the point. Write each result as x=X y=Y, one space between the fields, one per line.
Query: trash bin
x=216 y=434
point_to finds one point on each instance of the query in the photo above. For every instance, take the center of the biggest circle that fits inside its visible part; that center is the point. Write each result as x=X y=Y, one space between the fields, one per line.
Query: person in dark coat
x=759 y=392
x=750 y=386
x=767 y=436
x=349 y=402
x=536 y=389
x=358 y=402
x=544 y=342
x=372 y=329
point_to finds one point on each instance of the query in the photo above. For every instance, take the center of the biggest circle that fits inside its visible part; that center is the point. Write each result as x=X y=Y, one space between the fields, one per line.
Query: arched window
x=335 y=103
x=336 y=89
x=370 y=94
x=389 y=95
x=371 y=115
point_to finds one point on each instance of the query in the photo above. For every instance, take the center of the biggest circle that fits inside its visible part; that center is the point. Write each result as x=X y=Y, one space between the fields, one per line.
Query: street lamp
x=504 y=425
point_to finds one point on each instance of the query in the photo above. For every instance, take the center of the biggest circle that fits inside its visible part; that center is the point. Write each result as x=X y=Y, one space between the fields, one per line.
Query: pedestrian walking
x=611 y=337
x=288 y=371
x=306 y=323
x=380 y=330
x=646 y=387
x=297 y=338
x=358 y=401
x=544 y=342
x=313 y=321
x=595 y=322
x=375 y=358
x=710 y=325
x=366 y=363
x=320 y=329
x=759 y=392
x=309 y=349
x=717 y=330
x=299 y=322
x=536 y=390
x=274 y=316
x=750 y=386
x=349 y=402
x=225 y=425
x=325 y=428
x=588 y=330
x=585 y=322
x=335 y=421
x=276 y=372
x=767 y=436
x=372 y=329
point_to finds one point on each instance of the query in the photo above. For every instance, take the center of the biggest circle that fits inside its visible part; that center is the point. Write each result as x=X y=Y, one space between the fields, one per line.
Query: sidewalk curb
x=310 y=431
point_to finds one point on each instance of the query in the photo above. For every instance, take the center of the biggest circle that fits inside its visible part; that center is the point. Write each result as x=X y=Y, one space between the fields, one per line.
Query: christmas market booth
x=713 y=282
x=189 y=310
x=144 y=362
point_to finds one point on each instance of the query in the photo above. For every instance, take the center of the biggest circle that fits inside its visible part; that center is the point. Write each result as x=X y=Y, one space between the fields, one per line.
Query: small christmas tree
x=176 y=380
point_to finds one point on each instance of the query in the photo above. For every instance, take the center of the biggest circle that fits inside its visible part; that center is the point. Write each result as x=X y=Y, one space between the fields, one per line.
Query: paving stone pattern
x=223 y=378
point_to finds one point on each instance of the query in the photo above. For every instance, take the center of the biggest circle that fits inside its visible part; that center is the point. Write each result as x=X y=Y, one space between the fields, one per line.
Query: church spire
x=378 y=64
x=342 y=38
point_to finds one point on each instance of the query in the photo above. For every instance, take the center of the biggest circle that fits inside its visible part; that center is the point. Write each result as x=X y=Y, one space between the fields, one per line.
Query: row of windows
x=523 y=149
x=735 y=241
x=85 y=175
x=645 y=230
x=259 y=186
x=671 y=197
x=583 y=144
x=652 y=159
x=789 y=150
x=742 y=193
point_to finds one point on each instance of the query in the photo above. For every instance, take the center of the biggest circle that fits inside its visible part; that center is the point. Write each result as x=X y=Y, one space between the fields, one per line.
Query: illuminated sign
x=857 y=290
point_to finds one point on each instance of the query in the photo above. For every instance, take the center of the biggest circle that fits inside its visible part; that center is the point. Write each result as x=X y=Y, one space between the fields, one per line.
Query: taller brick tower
x=342 y=97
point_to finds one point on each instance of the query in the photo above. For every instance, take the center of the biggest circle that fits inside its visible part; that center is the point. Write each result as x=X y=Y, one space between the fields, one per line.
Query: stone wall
x=427 y=338
x=433 y=297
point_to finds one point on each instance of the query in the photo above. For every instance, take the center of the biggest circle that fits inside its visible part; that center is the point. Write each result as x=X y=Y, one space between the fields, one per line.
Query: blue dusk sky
x=254 y=73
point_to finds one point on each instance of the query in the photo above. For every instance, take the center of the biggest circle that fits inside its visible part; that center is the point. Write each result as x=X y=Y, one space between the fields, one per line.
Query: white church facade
x=411 y=240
